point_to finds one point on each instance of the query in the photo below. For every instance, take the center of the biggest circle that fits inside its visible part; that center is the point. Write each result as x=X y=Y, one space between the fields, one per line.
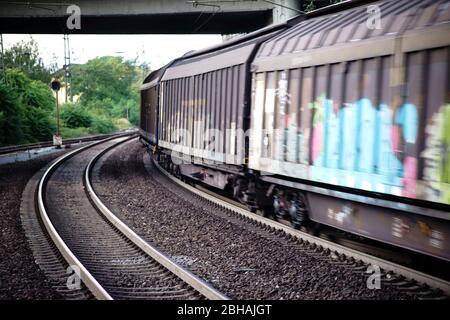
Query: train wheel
x=177 y=172
x=279 y=211
x=297 y=212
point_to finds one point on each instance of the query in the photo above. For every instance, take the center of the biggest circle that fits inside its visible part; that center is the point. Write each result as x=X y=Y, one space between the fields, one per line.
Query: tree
x=24 y=56
x=26 y=108
x=104 y=78
x=75 y=117
x=12 y=115
x=108 y=90
x=108 y=86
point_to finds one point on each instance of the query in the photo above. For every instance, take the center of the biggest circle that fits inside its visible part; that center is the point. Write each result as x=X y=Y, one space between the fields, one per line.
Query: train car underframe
x=422 y=229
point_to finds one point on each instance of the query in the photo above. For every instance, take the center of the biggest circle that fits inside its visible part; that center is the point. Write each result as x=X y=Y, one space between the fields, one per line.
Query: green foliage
x=128 y=109
x=103 y=124
x=12 y=124
x=69 y=133
x=122 y=124
x=24 y=56
x=26 y=106
x=99 y=125
x=104 y=78
x=107 y=88
x=317 y=4
x=32 y=92
x=99 y=106
x=75 y=116
x=41 y=124
x=134 y=115
x=310 y=6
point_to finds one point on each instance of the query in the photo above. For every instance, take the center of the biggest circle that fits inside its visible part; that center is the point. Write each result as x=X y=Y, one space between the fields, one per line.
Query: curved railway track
x=45 y=144
x=410 y=280
x=113 y=262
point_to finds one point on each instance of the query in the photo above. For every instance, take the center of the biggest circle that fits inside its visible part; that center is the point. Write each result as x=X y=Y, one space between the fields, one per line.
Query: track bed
x=240 y=259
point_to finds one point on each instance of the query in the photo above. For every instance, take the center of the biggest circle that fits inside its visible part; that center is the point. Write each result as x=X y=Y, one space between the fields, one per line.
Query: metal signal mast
x=67 y=69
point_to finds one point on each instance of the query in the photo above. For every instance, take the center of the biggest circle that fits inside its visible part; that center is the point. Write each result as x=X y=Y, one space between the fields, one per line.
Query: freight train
x=340 y=117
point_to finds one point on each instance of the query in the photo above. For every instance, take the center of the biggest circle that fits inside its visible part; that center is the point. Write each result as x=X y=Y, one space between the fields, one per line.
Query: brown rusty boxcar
x=205 y=105
x=347 y=98
x=150 y=106
x=359 y=99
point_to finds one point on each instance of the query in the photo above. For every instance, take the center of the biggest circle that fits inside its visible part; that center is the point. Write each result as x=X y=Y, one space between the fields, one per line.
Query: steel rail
x=91 y=283
x=46 y=144
x=195 y=282
x=339 y=249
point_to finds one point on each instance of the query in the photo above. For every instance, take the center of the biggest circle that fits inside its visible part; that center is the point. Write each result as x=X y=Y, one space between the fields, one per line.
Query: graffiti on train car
x=361 y=139
x=436 y=173
x=445 y=146
x=358 y=145
x=361 y=146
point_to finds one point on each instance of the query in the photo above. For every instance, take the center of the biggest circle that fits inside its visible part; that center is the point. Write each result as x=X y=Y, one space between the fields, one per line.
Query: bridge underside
x=173 y=23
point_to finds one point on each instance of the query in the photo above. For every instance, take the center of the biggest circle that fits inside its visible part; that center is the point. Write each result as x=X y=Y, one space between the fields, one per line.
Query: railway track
x=412 y=260
x=46 y=144
x=412 y=281
x=111 y=260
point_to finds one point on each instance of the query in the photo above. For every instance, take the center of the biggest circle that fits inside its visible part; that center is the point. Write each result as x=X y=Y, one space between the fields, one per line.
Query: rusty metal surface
x=357 y=127
x=339 y=102
x=415 y=232
x=366 y=108
x=212 y=62
x=203 y=113
x=199 y=105
x=350 y=25
x=149 y=104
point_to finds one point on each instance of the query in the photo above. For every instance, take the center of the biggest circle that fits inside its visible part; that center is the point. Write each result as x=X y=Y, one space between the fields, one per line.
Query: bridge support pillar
x=285 y=9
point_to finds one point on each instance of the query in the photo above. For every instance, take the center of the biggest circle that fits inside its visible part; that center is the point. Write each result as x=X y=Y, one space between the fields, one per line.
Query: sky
x=155 y=50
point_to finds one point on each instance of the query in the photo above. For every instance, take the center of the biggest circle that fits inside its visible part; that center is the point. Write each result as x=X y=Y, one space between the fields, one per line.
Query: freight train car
x=357 y=114
x=204 y=110
x=150 y=107
x=340 y=117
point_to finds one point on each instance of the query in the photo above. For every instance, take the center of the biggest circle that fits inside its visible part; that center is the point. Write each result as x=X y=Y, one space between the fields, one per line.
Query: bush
x=41 y=123
x=26 y=106
x=78 y=121
x=126 y=108
x=122 y=124
x=69 y=133
x=102 y=124
x=12 y=126
x=75 y=117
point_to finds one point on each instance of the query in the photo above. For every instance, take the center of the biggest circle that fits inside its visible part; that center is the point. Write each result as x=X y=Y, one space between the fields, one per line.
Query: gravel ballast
x=20 y=276
x=236 y=259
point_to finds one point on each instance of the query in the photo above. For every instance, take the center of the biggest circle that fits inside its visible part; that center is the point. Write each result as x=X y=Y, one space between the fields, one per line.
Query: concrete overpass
x=143 y=16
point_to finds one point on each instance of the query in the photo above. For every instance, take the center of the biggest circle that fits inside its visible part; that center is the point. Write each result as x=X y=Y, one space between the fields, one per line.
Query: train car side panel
x=366 y=119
